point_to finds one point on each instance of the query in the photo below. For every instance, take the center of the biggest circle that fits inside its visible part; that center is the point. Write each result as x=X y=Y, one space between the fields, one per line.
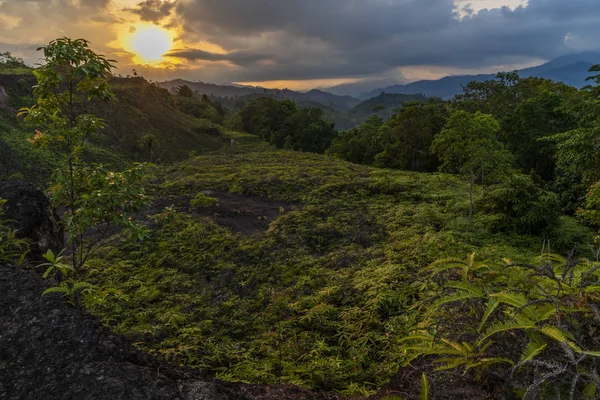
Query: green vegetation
x=402 y=142
x=94 y=198
x=10 y=65
x=533 y=322
x=321 y=299
x=263 y=261
x=384 y=106
x=12 y=248
x=284 y=125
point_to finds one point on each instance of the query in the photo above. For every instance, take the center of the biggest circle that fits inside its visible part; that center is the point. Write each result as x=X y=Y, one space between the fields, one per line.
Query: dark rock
x=29 y=211
x=51 y=350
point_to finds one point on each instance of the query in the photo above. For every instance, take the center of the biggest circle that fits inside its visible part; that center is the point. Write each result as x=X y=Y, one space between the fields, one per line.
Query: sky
x=301 y=44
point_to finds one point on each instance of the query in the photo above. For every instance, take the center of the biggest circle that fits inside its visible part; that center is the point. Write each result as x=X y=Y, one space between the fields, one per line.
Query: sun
x=149 y=43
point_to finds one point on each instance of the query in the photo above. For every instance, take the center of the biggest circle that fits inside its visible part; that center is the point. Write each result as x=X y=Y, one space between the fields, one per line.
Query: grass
x=321 y=299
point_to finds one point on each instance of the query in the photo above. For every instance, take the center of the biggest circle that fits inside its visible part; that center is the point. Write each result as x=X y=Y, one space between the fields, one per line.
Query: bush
x=524 y=328
x=202 y=200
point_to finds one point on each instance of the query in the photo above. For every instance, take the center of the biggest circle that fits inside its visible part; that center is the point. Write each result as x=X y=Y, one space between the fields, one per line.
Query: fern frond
x=82 y=285
x=424 y=387
x=56 y=289
x=451 y=299
x=531 y=350
x=519 y=322
x=592 y=353
x=491 y=307
x=467 y=287
x=513 y=299
x=560 y=336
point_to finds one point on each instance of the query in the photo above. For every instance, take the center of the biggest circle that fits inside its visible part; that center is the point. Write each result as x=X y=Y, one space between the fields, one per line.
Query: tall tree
x=468 y=146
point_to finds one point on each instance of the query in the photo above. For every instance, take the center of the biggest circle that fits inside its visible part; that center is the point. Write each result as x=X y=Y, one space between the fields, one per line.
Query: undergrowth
x=322 y=299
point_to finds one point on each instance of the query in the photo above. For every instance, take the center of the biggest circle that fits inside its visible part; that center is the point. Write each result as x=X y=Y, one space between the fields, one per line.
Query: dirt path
x=241 y=214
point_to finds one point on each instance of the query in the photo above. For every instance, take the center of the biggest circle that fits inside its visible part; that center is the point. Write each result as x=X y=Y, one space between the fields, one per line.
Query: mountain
x=336 y=102
x=355 y=89
x=383 y=106
x=571 y=69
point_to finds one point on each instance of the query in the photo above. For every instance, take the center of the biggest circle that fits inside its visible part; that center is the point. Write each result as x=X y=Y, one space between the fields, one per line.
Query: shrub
x=202 y=200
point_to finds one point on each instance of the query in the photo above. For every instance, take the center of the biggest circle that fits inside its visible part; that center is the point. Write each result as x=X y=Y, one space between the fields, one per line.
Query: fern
x=532 y=350
x=424 y=387
x=518 y=322
x=491 y=307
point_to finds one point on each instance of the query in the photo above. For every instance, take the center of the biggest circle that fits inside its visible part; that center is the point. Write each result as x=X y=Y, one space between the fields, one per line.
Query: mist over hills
x=571 y=69
x=348 y=110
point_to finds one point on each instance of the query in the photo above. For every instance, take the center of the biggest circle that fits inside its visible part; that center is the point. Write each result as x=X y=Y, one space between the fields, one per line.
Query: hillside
x=144 y=124
x=74 y=356
x=145 y=110
x=383 y=106
x=297 y=270
x=447 y=252
x=335 y=102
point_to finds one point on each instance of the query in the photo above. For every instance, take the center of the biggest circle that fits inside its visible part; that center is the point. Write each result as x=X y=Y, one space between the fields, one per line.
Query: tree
x=185 y=91
x=360 y=144
x=408 y=135
x=533 y=120
x=468 y=146
x=9 y=62
x=94 y=198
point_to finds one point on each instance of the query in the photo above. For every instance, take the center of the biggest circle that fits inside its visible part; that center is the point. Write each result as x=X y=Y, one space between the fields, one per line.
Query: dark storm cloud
x=240 y=58
x=348 y=38
x=153 y=10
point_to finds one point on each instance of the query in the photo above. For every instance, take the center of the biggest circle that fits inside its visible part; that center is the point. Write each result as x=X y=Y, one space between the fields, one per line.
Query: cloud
x=343 y=38
x=257 y=40
x=153 y=10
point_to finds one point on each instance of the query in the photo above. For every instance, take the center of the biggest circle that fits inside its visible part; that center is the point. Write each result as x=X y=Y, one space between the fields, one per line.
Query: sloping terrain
x=321 y=298
x=51 y=350
x=144 y=124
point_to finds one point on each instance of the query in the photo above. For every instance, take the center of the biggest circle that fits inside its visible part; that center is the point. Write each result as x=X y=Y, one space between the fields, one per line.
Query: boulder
x=28 y=210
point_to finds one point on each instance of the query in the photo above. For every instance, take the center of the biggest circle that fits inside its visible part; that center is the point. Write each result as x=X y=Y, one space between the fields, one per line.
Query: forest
x=447 y=249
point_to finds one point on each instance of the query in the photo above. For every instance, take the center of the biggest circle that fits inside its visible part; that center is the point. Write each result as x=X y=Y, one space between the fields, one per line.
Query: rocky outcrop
x=29 y=211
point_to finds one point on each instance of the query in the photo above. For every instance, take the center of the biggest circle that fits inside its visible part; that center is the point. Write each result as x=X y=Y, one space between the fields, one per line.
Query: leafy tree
x=408 y=136
x=185 y=91
x=520 y=204
x=361 y=144
x=496 y=97
x=578 y=150
x=529 y=110
x=306 y=130
x=533 y=120
x=468 y=146
x=11 y=64
x=285 y=125
x=94 y=198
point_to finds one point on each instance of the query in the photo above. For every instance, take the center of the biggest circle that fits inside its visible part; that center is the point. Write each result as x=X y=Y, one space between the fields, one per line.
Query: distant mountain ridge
x=335 y=102
x=571 y=70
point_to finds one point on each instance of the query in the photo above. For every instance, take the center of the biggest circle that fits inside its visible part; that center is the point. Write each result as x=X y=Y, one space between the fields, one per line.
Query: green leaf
x=424 y=387
x=531 y=350
x=491 y=307
x=56 y=289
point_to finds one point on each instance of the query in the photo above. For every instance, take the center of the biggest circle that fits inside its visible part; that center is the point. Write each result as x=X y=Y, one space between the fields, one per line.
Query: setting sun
x=150 y=43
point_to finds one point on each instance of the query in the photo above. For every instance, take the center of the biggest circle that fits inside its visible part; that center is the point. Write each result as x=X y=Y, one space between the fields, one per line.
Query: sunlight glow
x=149 y=43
